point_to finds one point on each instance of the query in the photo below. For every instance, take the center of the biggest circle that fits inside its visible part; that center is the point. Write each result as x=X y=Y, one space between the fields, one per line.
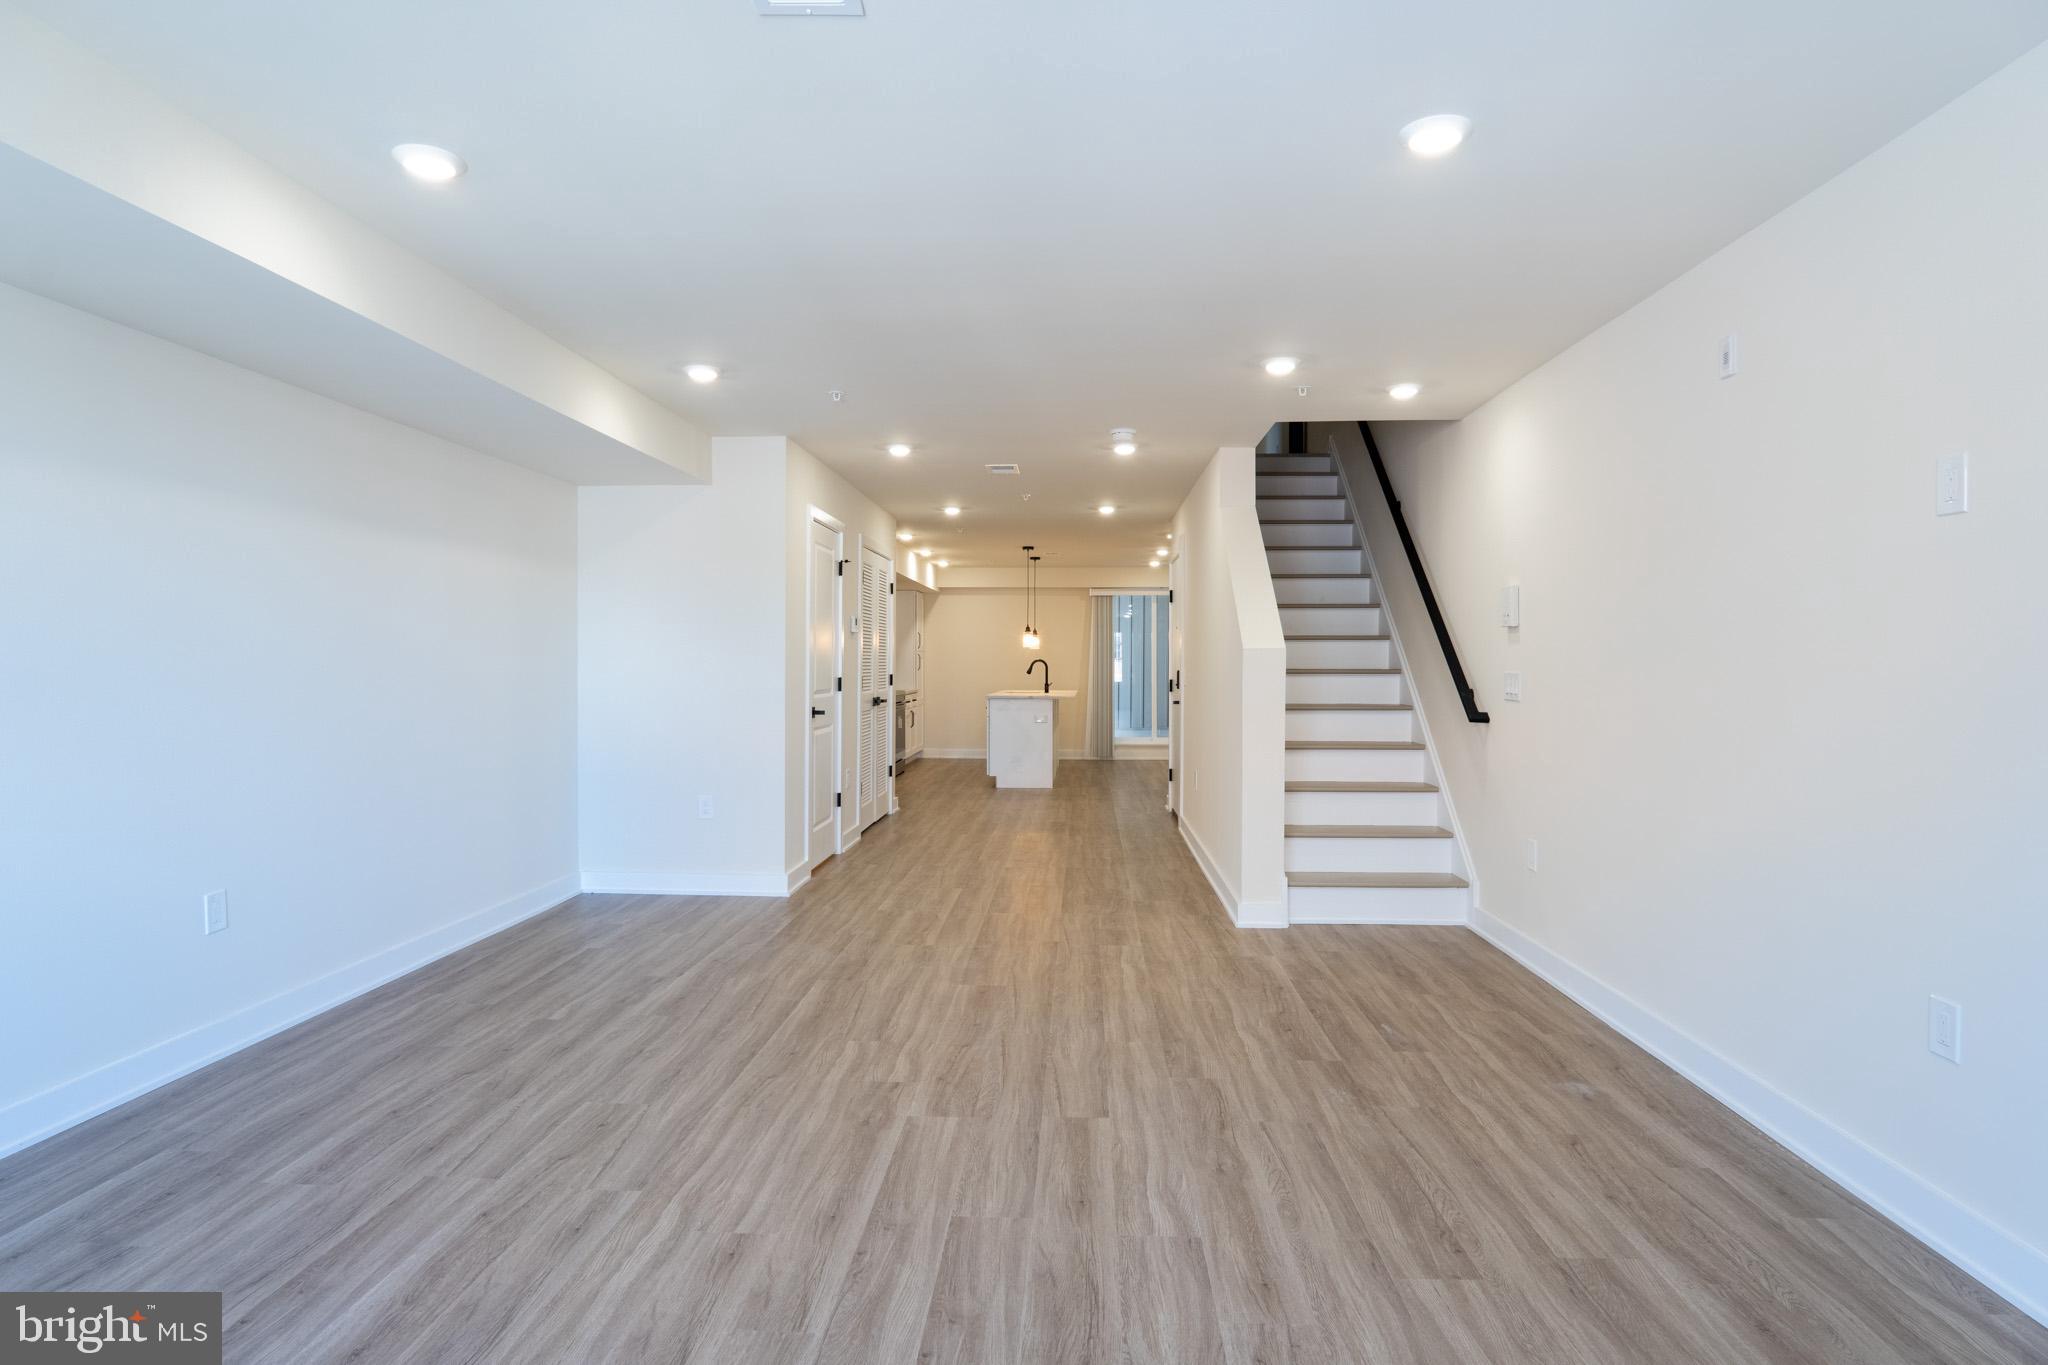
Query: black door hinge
x=842 y=568
x=1169 y=597
x=836 y=797
x=892 y=590
x=892 y=680
x=1169 y=774
x=839 y=684
x=892 y=770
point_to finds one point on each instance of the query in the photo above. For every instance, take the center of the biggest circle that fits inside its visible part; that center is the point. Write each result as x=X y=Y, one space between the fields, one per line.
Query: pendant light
x=1030 y=598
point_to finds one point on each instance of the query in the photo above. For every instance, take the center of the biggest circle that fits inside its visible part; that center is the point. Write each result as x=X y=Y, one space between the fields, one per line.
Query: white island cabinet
x=1021 y=725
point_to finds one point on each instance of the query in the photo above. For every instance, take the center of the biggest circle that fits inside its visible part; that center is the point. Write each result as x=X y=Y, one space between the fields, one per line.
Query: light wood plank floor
x=1002 y=1085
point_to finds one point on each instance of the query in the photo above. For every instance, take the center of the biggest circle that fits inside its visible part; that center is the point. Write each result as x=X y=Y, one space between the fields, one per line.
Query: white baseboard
x=29 y=1121
x=798 y=874
x=2008 y=1266
x=1244 y=914
x=1065 y=754
x=664 y=882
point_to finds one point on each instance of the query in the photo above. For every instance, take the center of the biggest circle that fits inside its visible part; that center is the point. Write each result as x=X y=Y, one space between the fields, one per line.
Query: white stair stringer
x=1370 y=838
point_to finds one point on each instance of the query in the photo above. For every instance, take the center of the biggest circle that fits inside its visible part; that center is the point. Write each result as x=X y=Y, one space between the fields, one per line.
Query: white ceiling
x=1004 y=228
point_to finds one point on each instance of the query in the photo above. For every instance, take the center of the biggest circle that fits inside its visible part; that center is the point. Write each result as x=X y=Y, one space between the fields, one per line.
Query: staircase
x=1368 y=833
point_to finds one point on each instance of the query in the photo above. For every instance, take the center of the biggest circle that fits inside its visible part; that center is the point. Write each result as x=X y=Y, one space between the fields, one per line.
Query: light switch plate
x=1511 y=687
x=1952 y=484
x=216 y=908
x=1731 y=359
x=1511 y=606
x=1945 y=1029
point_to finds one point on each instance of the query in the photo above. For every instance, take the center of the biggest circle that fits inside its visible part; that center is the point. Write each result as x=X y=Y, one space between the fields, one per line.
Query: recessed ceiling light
x=1403 y=391
x=1437 y=134
x=1107 y=510
x=952 y=511
x=1160 y=551
x=1280 y=366
x=701 y=374
x=1152 y=564
x=945 y=563
x=899 y=450
x=1124 y=441
x=906 y=535
x=435 y=165
x=1169 y=535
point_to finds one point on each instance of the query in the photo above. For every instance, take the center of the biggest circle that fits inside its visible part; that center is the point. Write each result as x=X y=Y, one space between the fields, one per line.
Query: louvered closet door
x=876 y=721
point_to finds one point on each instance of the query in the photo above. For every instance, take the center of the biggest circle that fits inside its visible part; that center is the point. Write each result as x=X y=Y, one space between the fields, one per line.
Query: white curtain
x=1101 y=676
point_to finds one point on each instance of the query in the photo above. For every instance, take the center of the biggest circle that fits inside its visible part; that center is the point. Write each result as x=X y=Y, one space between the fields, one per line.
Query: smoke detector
x=1002 y=469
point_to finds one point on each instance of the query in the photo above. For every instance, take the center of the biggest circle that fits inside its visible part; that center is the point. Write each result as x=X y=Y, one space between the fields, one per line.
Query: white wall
x=680 y=642
x=253 y=640
x=1233 y=693
x=1781 y=742
x=973 y=646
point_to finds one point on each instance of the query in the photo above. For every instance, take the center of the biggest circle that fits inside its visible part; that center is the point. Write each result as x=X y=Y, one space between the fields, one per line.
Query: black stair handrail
x=1436 y=615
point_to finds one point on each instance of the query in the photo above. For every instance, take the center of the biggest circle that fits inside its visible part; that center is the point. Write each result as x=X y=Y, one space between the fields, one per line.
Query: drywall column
x=1234 y=693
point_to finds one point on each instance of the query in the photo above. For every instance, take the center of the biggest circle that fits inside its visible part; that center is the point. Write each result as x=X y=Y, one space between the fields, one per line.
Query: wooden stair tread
x=1349 y=706
x=1408 y=744
x=1361 y=786
x=1392 y=880
x=1367 y=832
x=1341 y=671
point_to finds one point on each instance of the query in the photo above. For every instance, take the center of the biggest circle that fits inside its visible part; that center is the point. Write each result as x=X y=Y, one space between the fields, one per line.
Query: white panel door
x=877 y=724
x=822 y=764
x=1176 y=643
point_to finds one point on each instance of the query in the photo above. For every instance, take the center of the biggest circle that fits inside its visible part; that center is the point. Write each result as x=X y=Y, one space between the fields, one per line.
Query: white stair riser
x=1331 y=620
x=1304 y=509
x=1284 y=560
x=1371 y=855
x=1293 y=464
x=1291 y=590
x=1378 y=905
x=1356 y=765
x=1351 y=725
x=1337 y=533
x=1361 y=808
x=1345 y=687
x=1340 y=654
x=1309 y=484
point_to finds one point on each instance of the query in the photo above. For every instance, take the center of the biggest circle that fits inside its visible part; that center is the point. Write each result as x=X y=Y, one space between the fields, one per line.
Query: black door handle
x=816 y=712
x=876 y=702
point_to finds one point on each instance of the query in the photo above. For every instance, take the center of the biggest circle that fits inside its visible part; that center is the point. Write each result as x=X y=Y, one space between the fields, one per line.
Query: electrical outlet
x=1945 y=1029
x=1952 y=484
x=1731 y=361
x=706 y=808
x=216 y=908
x=1532 y=855
x=1511 y=687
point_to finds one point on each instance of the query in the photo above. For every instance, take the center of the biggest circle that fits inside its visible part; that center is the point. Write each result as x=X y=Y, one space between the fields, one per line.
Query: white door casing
x=822 y=688
x=876 y=727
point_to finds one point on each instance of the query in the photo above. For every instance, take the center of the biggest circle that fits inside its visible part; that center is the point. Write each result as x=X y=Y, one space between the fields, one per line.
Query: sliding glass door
x=1140 y=670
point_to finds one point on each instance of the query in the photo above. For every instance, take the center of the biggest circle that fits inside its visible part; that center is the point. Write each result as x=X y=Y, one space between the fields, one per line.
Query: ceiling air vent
x=1002 y=469
x=814 y=9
